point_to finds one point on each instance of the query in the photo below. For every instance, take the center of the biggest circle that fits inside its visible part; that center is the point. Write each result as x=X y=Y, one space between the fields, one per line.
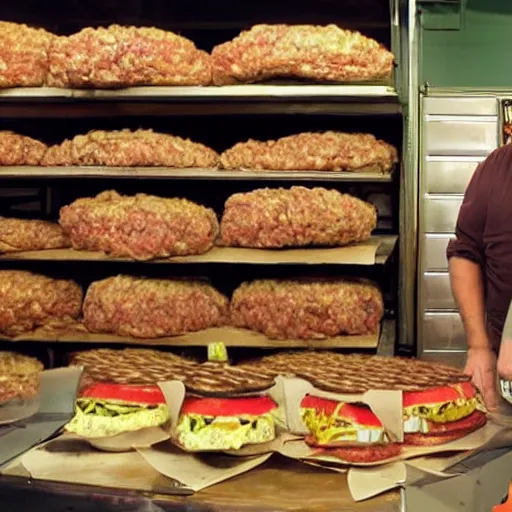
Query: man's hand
x=505 y=360
x=481 y=367
x=468 y=289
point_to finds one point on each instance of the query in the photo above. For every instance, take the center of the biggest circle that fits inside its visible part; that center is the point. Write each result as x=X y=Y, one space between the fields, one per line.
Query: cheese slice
x=328 y=429
x=197 y=432
x=91 y=425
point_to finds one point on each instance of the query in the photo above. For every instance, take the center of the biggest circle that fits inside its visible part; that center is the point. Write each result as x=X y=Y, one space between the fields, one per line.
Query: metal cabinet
x=448 y=176
x=440 y=213
x=457 y=133
x=460 y=135
x=433 y=249
x=437 y=294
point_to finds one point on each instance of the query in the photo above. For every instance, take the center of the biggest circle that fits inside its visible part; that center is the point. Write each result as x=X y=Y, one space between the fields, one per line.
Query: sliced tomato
x=253 y=406
x=439 y=395
x=319 y=404
x=358 y=414
x=126 y=393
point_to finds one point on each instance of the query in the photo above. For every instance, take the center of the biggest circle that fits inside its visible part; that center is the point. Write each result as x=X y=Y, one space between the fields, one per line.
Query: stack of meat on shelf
x=310 y=151
x=123 y=56
x=144 y=227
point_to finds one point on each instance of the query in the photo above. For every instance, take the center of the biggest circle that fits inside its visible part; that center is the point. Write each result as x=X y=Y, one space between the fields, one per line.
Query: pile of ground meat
x=141 y=227
x=152 y=308
x=295 y=309
x=295 y=217
x=324 y=53
x=29 y=301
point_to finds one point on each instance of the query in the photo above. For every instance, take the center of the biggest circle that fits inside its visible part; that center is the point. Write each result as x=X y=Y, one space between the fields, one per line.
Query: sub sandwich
x=225 y=423
x=442 y=414
x=353 y=433
x=111 y=409
x=348 y=431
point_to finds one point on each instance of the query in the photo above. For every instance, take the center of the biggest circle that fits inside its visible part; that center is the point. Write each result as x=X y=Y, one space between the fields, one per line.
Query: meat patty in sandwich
x=350 y=432
x=226 y=423
x=111 y=409
x=443 y=414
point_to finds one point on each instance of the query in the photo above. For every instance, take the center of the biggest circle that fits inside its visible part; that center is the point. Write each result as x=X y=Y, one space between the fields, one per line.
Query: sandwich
x=110 y=409
x=226 y=423
x=348 y=431
x=442 y=414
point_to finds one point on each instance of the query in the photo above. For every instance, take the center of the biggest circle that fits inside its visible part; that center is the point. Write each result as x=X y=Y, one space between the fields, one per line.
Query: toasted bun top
x=253 y=406
x=125 y=393
x=464 y=390
x=359 y=414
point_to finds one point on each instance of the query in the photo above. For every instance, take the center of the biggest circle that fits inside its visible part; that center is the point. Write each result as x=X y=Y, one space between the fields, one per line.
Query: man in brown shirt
x=480 y=262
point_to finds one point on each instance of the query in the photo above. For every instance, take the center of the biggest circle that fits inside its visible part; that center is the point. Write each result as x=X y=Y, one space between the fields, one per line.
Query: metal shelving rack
x=366 y=102
x=33 y=189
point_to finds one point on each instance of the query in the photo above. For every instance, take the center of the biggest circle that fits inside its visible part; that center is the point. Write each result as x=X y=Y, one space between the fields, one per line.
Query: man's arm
x=468 y=290
x=466 y=255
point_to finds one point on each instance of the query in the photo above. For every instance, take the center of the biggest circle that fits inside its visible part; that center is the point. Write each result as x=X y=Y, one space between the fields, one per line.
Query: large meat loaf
x=294 y=309
x=296 y=217
x=329 y=151
x=119 y=56
x=141 y=227
x=326 y=53
x=23 y=55
x=30 y=235
x=152 y=308
x=124 y=148
x=18 y=149
x=29 y=301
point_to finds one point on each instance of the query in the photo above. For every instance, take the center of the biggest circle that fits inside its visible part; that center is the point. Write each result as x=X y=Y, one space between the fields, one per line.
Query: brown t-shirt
x=484 y=234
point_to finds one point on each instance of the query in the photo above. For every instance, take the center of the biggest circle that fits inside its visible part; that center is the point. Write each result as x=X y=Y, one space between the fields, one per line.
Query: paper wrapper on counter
x=201 y=470
x=73 y=461
x=438 y=461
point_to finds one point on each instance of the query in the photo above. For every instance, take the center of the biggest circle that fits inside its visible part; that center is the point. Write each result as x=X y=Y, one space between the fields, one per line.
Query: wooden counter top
x=280 y=485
